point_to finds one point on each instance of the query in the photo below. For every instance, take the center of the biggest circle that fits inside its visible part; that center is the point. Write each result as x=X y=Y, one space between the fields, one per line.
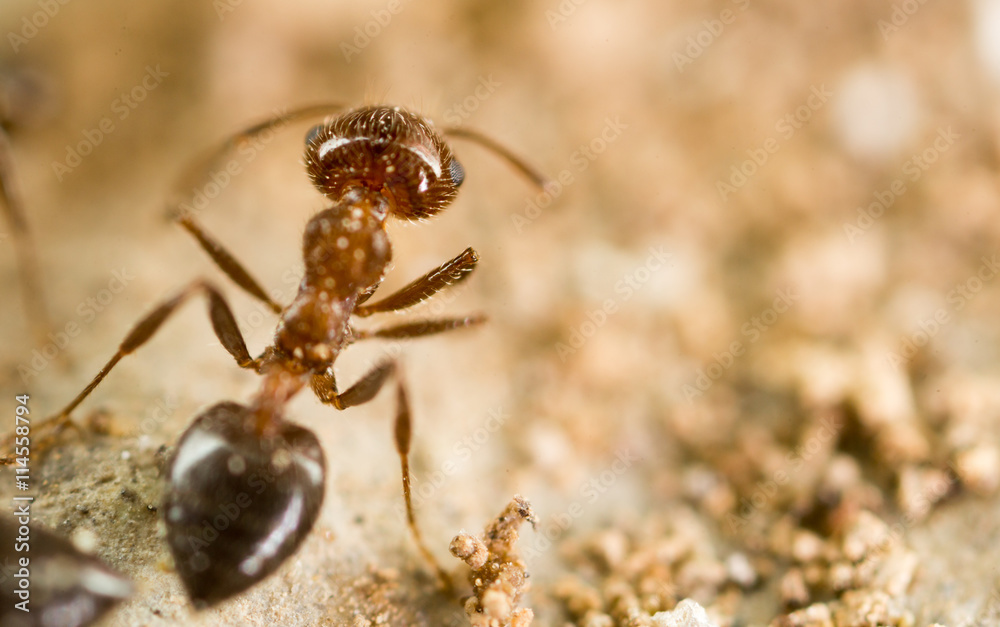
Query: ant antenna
x=198 y=171
x=537 y=179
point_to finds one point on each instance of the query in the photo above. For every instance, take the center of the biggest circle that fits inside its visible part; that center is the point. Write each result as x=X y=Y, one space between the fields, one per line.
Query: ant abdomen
x=239 y=504
x=389 y=151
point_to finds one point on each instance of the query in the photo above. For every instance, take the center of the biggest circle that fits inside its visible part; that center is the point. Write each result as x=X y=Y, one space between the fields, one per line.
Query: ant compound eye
x=313 y=133
x=457 y=172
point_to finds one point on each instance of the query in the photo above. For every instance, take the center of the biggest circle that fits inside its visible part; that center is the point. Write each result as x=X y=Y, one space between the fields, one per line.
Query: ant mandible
x=371 y=162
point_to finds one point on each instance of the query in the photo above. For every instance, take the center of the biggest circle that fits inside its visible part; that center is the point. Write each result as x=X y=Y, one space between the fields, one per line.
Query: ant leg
x=225 y=260
x=537 y=178
x=200 y=170
x=223 y=323
x=448 y=273
x=325 y=386
x=403 y=432
x=364 y=390
x=27 y=262
x=368 y=293
x=419 y=328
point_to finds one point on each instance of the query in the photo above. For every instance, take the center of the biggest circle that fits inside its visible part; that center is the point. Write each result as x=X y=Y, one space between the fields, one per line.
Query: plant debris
x=499 y=577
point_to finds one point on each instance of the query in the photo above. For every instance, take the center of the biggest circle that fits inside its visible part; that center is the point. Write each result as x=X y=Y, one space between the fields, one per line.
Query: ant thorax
x=345 y=251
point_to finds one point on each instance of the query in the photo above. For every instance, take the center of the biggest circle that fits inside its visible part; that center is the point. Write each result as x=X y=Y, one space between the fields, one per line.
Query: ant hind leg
x=223 y=323
x=403 y=432
x=361 y=392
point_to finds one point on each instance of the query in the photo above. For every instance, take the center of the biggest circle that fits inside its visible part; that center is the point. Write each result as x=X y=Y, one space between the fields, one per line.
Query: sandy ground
x=745 y=353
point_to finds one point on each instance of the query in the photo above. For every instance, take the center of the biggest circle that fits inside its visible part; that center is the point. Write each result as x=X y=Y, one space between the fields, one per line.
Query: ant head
x=387 y=150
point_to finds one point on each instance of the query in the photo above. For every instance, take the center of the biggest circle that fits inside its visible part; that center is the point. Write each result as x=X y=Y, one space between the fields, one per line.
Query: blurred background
x=744 y=349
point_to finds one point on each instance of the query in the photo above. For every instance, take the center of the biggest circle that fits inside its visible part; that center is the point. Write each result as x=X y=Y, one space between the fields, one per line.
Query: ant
x=67 y=587
x=370 y=162
x=22 y=94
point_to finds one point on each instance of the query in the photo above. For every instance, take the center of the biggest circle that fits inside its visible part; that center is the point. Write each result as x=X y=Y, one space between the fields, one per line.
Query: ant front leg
x=447 y=274
x=325 y=387
x=223 y=322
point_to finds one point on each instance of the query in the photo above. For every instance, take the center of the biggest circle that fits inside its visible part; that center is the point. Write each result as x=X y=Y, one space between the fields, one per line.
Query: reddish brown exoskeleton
x=371 y=163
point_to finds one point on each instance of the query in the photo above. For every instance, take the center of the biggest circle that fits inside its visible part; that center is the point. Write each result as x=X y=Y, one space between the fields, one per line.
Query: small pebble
x=687 y=614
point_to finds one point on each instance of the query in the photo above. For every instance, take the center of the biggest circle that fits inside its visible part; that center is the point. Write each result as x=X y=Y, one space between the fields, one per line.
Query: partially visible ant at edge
x=24 y=98
x=67 y=586
x=370 y=162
